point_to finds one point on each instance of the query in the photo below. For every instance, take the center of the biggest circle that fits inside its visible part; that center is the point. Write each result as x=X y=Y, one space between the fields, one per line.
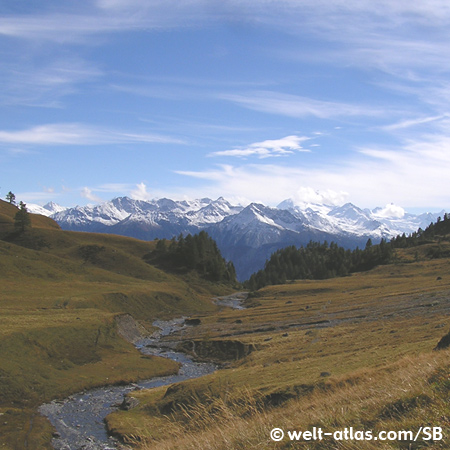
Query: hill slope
x=61 y=292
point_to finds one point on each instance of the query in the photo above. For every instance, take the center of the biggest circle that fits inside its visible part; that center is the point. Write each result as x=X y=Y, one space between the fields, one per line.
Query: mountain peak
x=286 y=204
x=246 y=235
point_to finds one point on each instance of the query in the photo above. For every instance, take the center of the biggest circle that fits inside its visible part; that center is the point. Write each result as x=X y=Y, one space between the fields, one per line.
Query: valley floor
x=347 y=352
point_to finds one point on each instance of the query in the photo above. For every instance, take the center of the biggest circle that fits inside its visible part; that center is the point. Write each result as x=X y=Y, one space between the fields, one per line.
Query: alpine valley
x=245 y=235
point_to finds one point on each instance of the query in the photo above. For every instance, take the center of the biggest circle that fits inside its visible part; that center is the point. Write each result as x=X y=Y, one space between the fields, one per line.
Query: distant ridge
x=245 y=235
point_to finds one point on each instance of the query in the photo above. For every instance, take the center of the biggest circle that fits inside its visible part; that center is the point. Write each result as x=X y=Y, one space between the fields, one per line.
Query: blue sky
x=332 y=100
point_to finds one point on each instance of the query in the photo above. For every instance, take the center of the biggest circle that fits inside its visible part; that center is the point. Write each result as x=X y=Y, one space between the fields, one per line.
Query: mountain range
x=246 y=235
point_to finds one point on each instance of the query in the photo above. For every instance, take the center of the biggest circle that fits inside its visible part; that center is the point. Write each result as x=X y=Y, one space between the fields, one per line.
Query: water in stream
x=79 y=419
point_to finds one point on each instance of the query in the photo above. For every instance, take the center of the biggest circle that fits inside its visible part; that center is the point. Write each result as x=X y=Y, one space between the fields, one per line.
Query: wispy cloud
x=78 y=134
x=89 y=195
x=75 y=27
x=351 y=18
x=269 y=148
x=385 y=35
x=397 y=45
x=38 y=196
x=35 y=84
x=63 y=28
x=413 y=174
x=297 y=106
x=413 y=122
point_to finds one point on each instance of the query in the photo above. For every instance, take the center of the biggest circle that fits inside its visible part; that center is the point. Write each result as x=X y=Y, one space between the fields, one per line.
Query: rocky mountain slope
x=245 y=235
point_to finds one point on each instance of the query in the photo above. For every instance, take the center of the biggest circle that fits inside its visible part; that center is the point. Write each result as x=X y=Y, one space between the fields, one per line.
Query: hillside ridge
x=248 y=235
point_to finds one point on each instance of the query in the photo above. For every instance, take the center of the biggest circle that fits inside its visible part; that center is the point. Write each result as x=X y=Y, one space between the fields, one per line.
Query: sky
x=328 y=101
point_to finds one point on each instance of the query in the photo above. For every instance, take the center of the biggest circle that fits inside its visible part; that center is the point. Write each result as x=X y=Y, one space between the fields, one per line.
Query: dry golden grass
x=404 y=395
x=57 y=308
x=372 y=334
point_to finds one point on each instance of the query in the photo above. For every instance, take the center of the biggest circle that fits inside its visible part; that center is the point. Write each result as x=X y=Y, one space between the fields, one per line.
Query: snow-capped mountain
x=47 y=210
x=245 y=235
x=251 y=236
x=161 y=218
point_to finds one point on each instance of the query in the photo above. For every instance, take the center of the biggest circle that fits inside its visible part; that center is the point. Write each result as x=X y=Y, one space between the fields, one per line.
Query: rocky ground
x=235 y=301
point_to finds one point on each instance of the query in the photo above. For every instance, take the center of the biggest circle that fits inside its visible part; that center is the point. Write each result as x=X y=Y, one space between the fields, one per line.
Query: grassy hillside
x=352 y=351
x=60 y=293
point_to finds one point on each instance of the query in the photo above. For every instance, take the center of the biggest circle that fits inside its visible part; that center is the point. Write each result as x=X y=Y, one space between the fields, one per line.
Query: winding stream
x=79 y=418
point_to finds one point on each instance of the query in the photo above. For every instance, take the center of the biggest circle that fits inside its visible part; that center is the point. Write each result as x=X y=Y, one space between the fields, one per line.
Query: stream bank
x=79 y=419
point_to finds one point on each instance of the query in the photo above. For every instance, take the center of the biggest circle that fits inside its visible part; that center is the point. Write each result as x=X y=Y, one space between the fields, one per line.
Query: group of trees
x=319 y=261
x=22 y=218
x=198 y=252
x=437 y=230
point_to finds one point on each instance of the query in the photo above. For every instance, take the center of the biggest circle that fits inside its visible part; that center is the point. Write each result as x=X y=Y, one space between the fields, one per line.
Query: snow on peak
x=306 y=213
x=47 y=210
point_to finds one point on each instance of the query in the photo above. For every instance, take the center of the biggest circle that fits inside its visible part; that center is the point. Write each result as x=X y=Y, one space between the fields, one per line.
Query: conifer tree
x=11 y=198
x=22 y=218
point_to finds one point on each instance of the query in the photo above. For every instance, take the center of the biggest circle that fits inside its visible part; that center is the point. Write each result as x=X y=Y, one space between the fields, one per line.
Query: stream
x=79 y=418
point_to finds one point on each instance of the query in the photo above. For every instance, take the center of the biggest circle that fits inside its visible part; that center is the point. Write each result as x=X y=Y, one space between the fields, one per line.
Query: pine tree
x=198 y=252
x=22 y=218
x=11 y=198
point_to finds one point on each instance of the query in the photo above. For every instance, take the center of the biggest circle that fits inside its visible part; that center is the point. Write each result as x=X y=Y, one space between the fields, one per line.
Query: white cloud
x=140 y=193
x=414 y=174
x=328 y=196
x=269 y=148
x=33 y=83
x=297 y=106
x=413 y=122
x=80 y=25
x=51 y=134
x=87 y=193
x=63 y=28
x=78 y=134
x=338 y=19
x=264 y=183
x=270 y=184
x=391 y=211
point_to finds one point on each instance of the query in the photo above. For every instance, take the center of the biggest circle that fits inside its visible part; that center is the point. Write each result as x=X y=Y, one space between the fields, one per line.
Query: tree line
x=322 y=260
x=439 y=230
x=197 y=252
x=317 y=261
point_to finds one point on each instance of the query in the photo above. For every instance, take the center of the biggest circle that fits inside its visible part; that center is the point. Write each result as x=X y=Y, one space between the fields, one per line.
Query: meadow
x=60 y=294
x=352 y=351
x=355 y=351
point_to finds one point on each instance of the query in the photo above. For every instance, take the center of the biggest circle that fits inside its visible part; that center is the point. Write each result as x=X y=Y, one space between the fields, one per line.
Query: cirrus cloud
x=78 y=134
x=298 y=106
x=268 y=148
